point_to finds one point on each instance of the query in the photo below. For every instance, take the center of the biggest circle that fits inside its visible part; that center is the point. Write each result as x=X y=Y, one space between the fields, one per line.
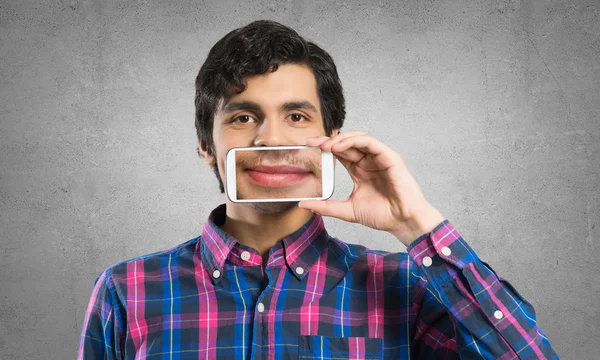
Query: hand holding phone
x=279 y=173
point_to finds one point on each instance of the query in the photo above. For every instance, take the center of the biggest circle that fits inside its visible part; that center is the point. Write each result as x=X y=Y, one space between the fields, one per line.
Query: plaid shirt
x=319 y=297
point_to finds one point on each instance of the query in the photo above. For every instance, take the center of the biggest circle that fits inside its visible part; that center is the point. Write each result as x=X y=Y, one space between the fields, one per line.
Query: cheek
x=320 y=130
x=235 y=138
x=221 y=164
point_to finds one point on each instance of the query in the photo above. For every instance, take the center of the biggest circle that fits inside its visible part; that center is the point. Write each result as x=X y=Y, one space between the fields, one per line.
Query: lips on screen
x=277 y=174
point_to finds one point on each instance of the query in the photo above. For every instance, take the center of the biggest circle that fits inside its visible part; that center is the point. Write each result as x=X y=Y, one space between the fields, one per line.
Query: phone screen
x=278 y=174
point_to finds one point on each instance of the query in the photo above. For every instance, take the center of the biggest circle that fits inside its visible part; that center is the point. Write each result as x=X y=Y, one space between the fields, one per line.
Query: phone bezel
x=327 y=172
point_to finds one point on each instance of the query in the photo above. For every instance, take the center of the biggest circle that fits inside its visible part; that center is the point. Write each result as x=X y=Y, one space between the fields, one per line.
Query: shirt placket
x=264 y=311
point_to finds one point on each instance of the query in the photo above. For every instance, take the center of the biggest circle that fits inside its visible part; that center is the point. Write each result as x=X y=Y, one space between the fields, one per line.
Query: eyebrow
x=241 y=105
x=287 y=106
x=293 y=105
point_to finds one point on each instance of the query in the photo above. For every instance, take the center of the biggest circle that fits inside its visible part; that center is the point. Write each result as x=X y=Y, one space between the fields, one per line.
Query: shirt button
x=446 y=251
x=245 y=256
x=498 y=314
x=427 y=261
x=260 y=307
x=216 y=274
x=299 y=270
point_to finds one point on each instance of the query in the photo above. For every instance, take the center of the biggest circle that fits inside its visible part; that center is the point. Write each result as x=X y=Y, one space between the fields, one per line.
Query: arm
x=465 y=309
x=100 y=335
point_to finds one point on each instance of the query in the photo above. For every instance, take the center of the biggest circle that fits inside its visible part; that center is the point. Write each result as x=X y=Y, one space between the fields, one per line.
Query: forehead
x=289 y=82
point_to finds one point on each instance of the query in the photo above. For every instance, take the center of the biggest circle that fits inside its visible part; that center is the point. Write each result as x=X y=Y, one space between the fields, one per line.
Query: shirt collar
x=302 y=248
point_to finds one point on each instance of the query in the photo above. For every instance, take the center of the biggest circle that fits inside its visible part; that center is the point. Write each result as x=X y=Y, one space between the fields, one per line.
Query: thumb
x=337 y=209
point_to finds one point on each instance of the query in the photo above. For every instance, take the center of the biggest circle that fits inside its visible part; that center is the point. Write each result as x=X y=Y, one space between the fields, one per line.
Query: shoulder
x=397 y=272
x=356 y=251
x=149 y=265
x=361 y=257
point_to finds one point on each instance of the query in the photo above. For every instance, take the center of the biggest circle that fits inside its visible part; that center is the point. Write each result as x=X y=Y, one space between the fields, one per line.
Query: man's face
x=277 y=108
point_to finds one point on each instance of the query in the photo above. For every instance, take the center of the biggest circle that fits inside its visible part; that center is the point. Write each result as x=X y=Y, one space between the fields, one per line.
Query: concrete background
x=495 y=106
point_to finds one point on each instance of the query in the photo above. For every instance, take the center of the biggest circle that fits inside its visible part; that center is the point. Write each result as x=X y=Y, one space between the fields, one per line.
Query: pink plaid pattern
x=319 y=297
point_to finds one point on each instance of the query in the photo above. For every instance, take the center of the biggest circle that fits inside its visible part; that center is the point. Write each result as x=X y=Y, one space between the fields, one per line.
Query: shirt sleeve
x=100 y=337
x=464 y=309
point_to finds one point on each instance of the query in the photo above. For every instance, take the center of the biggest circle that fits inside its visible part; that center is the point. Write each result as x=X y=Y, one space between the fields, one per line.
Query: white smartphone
x=279 y=173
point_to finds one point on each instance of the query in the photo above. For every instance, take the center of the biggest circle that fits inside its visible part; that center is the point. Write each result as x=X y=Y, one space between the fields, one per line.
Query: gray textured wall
x=495 y=106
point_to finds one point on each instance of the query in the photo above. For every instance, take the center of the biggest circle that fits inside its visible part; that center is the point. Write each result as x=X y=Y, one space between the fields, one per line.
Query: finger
x=337 y=209
x=326 y=146
x=351 y=154
x=364 y=143
x=347 y=164
x=316 y=141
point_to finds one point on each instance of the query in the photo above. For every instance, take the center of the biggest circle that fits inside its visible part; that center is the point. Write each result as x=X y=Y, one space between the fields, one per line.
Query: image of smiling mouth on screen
x=277 y=174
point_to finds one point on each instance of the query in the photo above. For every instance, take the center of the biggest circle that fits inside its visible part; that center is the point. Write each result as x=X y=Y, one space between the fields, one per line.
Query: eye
x=242 y=119
x=297 y=117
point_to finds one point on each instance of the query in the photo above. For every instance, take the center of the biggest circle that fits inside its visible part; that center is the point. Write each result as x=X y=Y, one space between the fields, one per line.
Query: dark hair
x=254 y=49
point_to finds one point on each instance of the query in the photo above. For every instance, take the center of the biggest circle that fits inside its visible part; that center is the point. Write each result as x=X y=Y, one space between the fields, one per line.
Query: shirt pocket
x=326 y=347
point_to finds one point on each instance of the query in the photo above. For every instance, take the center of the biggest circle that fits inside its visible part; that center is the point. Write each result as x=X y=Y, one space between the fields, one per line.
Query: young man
x=266 y=280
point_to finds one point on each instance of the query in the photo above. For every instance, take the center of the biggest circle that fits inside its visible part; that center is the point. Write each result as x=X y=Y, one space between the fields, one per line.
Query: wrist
x=421 y=223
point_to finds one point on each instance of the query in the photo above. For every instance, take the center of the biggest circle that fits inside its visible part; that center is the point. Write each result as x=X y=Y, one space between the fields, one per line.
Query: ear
x=206 y=154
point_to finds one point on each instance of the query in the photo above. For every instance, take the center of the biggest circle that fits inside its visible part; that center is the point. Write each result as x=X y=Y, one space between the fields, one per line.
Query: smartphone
x=279 y=173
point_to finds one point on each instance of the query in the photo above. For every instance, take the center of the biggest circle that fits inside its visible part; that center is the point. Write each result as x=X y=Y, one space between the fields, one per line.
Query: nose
x=271 y=133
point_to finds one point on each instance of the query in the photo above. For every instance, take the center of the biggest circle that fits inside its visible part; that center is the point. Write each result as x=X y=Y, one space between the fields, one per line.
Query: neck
x=262 y=226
